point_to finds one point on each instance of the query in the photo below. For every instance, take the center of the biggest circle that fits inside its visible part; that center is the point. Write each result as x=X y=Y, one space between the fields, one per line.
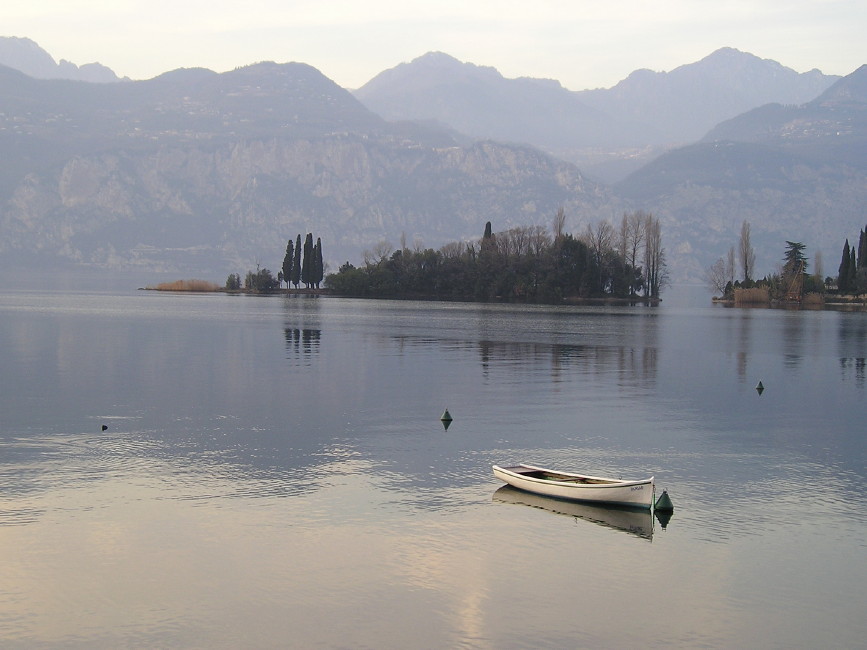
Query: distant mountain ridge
x=606 y=131
x=26 y=56
x=477 y=100
x=691 y=99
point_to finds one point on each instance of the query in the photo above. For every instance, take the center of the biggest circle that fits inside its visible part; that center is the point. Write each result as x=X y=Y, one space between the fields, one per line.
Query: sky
x=581 y=43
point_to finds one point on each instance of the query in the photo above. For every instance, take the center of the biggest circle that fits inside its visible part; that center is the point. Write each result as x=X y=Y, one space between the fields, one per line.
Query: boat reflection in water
x=634 y=521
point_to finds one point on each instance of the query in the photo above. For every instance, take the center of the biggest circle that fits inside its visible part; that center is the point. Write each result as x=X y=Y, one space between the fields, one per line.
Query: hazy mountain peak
x=437 y=59
x=478 y=101
x=850 y=89
x=686 y=102
x=26 y=56
x=272 y=70
x=733 y=56
x=428 y=70
x=443 y=61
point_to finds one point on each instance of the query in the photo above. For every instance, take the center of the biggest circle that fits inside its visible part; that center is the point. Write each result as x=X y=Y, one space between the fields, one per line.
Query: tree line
x=301 y=265
x=526 y=264
x=793 y=278
x=852 y=273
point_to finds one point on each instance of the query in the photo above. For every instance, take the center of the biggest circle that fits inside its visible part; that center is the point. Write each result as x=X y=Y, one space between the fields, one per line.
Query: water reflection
x=629 y=520
x=793 y=338
x=854 y=367
x=302 y=343
x=744 y=335
x=637 y=364
x=852 y=344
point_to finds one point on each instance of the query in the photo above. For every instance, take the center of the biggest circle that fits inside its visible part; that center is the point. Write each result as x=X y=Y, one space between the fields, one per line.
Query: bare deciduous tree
x=539 y=240
x=377 y=254
x=655 y=273
x=717 y=277
x=559 y=222
x=635 y=234
x=599 y=238
x=730 y=266
x=452 y=250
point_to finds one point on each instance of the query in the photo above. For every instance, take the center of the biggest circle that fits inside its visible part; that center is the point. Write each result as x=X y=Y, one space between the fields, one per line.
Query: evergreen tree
x=296 y=263
x=853 y=272
x=794 y=257
x=307 y=262
x=233 y=282
x=862 y=249
x=288 y=261
x=843 y=271
x=318 y=269
x=490 y=267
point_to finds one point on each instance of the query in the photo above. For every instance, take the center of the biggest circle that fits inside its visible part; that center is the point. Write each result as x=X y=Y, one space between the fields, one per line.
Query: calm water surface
x=274 y=474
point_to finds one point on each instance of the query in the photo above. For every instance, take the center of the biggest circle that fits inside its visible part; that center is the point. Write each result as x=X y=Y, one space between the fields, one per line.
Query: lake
x=274 y=473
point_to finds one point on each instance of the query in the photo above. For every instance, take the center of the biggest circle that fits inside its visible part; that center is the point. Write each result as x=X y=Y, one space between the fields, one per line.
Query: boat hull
x=577 y=487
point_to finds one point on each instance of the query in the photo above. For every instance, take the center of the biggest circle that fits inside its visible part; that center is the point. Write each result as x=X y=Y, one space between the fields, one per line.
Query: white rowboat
x=577 y=487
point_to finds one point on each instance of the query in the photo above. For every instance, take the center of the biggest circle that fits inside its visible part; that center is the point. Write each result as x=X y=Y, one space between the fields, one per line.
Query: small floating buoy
x=105 y=427
x=446 y=419
x=760 y=388
x=663 y=503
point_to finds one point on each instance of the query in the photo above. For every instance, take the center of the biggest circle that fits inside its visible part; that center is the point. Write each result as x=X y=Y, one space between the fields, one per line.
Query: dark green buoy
x=446 y=419
x=663 y=503
x=759 y=388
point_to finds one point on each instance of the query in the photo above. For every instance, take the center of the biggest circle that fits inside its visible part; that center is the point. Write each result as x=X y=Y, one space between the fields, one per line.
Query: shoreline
x=837 y=302
x=602 y=301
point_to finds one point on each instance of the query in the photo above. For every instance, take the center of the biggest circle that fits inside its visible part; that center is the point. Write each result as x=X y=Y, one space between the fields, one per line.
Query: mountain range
x=197 y=172
x=606 y=132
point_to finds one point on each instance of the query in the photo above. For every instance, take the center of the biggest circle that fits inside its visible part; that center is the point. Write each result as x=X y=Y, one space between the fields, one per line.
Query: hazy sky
x=583 y=44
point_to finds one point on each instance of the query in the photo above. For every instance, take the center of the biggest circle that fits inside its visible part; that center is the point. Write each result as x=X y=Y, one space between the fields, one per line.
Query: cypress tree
x=318 y=269
x=843 y=272
x=288 y=261
x=307 y=262
x=296 y=263
x=853 y=272
x=862 y=249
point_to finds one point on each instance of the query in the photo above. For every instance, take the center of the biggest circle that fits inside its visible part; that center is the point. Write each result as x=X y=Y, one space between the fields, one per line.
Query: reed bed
x=187 y=285
x=754 y=296
x=813 y=300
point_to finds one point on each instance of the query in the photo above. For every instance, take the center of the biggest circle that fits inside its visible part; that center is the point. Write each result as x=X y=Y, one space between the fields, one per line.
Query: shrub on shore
x=186 y=285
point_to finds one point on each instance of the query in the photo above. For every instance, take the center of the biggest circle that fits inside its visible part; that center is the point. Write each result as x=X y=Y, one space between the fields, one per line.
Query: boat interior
x=566 y=478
